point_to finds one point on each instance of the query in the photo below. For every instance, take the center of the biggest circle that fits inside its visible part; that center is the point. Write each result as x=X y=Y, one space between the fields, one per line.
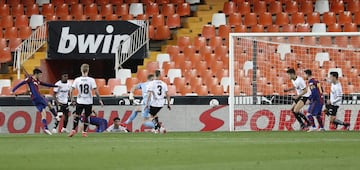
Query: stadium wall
x=25 y=119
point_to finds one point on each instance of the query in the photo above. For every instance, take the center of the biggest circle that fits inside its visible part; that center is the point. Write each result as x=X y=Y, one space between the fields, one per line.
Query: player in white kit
x=300 y=99
x=333 y=104
x=61 y=96
x=84 y=85
x=157 y=92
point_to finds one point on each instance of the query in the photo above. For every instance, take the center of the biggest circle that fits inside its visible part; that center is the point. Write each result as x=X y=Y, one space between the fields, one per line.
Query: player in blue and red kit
x=316 y=102
x=37 y=99
x=100 y=123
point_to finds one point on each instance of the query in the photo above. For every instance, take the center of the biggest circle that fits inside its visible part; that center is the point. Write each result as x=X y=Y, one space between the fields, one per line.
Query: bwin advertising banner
x=92 y=39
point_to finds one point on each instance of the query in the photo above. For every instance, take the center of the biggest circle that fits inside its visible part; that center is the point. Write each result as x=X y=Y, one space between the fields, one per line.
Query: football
x=214 y=103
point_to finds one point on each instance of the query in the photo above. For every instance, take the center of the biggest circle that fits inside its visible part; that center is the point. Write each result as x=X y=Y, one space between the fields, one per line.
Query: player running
x=61 y=96
x=116 y=127
x=316 y=102
x=333 y=104
x=84 y=85
x=37 y=99
x=300 y=99
x=144 y=111
x=157 y=91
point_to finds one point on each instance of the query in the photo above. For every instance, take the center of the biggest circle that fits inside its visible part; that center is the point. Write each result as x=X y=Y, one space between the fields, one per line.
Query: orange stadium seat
x=329 y=18
x=165 y=79
x=4 y=10
x=81 y=17
x=335 y=27
x=259 y=7
x=3 y=43
x=208 y=31
x=116 y=2
x=350 y=27
x=217 y=90
x=189 y=51
x=162 y=1
x=291 y=7
x=185 y=89
x=345 y=17
x=66 y=18
x=51 y=18
x=250 y=19
x=142 y=74
x=215 y=42
x=306 y=6
x=57 y=2
x=77 y=10
x=179 y=82
x=202 y=90
x=205 y=50
x=229 y=7
x=312 y=18
x=17 y=9
x=183 y=9
x=21 y=21
x=7 y=21
x=244 y=8
x=224 y=31
x=357 y=18
x=152 y=66
x=127 y=17
x=173 y=50
x=111 y=17
x=28 y=2
x=70 y=2
x=5 y=91
x=13 y=2
x=168 y=9
x=25 y=32
x=102 y=2
x=168 y=65
x=5 y=55
x=309 y=40
x=142 y=17
x=152 y=9
x=282 y=19
x=353 y=6
x=257 y=28
x=62 y=10
x=47 y=9
x=132 y=81
x=240 y=28
x=303 y=28
x=297 y=18
x=95 y=17
x=105 y=90
x=171 y=90
x=273 y=28
x=265 y=19
x=185 y=66
x=122 y=9
x=112 y=82
x=10 y=32
x=91 y=9
x=337 y=6
x=288 y=28
x=275 y=7
x=158 y=20
x=355 y=42
x=183 y=42
x=14 y=42
x=199 y=42
x=235 y=19
x=32 y=9
x=100 y=82
x=342 y=41
x=86 y=2
x=162 y=33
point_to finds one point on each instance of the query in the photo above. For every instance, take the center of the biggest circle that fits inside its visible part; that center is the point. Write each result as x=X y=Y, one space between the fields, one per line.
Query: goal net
x=257 y=75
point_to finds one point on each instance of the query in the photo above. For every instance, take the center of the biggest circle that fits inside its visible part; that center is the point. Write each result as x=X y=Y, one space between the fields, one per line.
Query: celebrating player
x=144 y=111
x=84 y=85
x=116 y=127
x=61 y=96
x=157 y=91
x=316 y=101
x=333 y=104
x=300 y=99
x=37 y=99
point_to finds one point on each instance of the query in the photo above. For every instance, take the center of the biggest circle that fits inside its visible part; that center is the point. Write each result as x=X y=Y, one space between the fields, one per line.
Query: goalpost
x=257 y=74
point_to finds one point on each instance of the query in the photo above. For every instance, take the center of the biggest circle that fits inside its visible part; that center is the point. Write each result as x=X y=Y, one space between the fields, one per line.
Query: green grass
x=183 y=151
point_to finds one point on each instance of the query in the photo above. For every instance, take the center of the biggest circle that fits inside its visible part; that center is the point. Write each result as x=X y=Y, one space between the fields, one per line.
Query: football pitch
x=182 y=151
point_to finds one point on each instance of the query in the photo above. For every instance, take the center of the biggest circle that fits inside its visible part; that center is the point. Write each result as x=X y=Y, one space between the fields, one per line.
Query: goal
x=257 y=74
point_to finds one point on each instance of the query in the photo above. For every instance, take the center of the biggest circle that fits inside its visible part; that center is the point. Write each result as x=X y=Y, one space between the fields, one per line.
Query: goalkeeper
x=144 y=111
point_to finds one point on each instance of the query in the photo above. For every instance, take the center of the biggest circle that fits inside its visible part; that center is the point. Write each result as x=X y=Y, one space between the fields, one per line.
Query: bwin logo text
x=92 y=42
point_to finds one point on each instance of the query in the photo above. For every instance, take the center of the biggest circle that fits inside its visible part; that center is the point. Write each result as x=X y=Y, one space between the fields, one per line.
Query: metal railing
x=28 y=47
x=132 y=44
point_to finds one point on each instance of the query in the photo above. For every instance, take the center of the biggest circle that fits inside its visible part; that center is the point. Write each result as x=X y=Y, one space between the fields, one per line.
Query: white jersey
x=158 y=89
x=336 y=94
x=300 y=85
x=112 y=128
x=62 y=91
x=84 y=86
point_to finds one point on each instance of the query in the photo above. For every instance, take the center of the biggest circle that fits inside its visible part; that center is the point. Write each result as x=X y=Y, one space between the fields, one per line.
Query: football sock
x=156 y=123
x=65 y=120
x=311 y=120
x=304 y=118
x=298 y=118
x=86 y=124
x=56 y=124
x=319 y=119
x=43 y=121
x=132 y=117
x=338 y=122
x=75 y=123
x=53 y=111
x=149 y=124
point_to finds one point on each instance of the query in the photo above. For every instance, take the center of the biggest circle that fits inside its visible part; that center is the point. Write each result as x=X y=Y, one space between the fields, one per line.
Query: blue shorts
x=145 y=112
x=40 y=103
x=315 y=109
x=100 y=123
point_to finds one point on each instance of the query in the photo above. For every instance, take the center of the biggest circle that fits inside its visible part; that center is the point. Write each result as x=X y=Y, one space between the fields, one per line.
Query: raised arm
x=18 y=85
